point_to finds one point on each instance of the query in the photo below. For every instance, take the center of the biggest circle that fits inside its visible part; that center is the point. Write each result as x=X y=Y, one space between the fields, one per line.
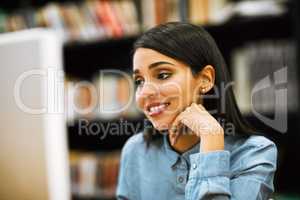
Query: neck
x=185 y=142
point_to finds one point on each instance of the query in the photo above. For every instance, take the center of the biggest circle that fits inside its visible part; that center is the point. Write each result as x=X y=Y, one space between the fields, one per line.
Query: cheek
x=179 y=90
x=171 y=90
x=165 y=92
x=174 y=90
x=139 y=101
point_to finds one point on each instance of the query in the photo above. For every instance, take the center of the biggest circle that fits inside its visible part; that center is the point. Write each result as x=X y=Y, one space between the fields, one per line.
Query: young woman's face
x=164 y=86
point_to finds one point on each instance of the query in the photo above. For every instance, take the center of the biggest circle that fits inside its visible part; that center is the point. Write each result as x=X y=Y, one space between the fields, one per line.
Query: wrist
x=212 y=142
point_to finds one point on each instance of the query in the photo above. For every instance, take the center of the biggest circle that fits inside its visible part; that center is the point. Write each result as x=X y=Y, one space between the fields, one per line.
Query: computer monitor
x=33 y=144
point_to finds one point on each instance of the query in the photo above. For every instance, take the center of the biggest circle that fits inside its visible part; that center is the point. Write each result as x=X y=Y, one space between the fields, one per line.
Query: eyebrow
x=153 y=65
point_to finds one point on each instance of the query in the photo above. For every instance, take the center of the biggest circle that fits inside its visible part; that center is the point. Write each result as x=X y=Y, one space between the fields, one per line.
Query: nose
x=149 y=90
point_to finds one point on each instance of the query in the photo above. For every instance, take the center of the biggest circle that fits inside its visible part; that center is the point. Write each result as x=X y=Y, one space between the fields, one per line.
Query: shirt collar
x=173 y=155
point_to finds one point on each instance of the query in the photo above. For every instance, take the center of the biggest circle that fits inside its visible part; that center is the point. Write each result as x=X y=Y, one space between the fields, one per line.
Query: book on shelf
x=94 y=174
x=103 y=19
x=156 y=12
x=116 y=97
x=84 y=20
x=109 y=97
x=202 y=12
x=268 y=65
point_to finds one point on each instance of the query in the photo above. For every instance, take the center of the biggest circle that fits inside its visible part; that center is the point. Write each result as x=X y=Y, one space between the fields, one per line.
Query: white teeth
x=158 y=108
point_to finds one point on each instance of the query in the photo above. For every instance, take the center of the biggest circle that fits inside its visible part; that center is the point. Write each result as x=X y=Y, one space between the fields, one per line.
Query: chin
x=161 y=125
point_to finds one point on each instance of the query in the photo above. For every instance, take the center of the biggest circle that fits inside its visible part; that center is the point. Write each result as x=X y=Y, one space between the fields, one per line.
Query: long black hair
x=193 y=45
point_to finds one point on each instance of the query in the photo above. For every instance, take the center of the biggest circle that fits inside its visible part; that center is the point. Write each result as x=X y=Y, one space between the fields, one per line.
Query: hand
x=202 y=124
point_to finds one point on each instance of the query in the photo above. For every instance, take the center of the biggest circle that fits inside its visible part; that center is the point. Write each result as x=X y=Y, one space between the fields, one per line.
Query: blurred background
x=257 y=39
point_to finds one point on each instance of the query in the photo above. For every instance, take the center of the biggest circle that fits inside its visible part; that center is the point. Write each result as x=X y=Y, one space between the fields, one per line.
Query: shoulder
x=136 y=150
x=251 y=148
x=134 y=144
x=251 y=151
x=244 y=143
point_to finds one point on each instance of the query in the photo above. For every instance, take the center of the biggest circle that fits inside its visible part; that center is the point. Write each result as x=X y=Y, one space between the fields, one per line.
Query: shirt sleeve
x=249 y=176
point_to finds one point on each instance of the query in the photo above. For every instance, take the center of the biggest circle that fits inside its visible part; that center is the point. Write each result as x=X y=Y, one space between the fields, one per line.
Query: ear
x=206 y=78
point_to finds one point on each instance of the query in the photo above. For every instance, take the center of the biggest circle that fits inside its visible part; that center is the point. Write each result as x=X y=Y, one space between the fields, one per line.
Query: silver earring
x=203 y=90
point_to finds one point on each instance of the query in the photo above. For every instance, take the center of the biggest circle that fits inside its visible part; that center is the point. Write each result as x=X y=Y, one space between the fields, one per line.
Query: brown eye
x=163 y=75
x=138 y=82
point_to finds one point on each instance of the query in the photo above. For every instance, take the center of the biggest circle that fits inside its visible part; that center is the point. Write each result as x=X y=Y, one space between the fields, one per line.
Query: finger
x=175 y=137
x=199 y=107
x=175 y=129
x=175 y=123
x=174 y=134
x=178 y=125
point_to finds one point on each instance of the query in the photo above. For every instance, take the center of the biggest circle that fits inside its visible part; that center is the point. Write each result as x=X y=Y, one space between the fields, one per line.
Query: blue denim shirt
x=243 y=171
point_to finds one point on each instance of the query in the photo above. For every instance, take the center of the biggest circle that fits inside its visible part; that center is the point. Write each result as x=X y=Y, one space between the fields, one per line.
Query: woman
x=197 y=145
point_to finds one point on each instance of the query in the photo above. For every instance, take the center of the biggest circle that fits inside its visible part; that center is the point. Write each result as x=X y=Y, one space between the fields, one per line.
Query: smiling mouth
x=157 y=109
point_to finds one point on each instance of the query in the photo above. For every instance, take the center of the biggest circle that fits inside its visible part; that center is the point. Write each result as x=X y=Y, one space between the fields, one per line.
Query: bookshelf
x=73 y=20
x=84 y=57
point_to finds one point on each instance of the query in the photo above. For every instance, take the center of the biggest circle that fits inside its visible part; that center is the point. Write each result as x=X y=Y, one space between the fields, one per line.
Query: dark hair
x=195 y=47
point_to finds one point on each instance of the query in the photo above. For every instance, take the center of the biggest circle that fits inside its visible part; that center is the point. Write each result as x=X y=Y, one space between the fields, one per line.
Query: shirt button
x=194 y=166
x=180 y=179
